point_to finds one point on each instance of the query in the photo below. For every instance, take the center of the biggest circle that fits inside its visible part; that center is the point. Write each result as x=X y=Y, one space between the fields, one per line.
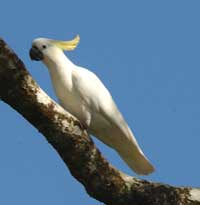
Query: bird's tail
x=131 y=153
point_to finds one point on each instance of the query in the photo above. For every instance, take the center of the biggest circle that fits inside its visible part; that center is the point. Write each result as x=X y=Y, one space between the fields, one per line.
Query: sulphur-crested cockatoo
x=82 y=93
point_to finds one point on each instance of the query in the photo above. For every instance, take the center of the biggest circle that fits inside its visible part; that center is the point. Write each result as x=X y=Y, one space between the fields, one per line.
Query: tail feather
x=123 y=141
x=131 y=153
x=137 y=162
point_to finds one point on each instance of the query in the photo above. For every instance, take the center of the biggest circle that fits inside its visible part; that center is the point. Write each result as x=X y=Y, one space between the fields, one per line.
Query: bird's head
x=43 y=48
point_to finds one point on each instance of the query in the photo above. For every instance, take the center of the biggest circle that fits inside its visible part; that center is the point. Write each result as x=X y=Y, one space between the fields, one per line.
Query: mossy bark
x=68 y=137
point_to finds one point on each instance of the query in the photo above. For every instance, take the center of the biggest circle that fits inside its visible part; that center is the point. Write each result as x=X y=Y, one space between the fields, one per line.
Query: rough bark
x=75 y=147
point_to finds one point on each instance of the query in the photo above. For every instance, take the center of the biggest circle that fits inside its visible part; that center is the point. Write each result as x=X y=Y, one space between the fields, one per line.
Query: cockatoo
x=82 y=94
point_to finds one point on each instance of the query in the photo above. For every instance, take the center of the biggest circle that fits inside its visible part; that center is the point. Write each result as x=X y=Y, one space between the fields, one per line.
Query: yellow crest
x=67 y=45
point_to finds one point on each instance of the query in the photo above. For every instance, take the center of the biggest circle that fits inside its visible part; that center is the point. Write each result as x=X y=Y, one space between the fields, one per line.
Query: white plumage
x=82 y=93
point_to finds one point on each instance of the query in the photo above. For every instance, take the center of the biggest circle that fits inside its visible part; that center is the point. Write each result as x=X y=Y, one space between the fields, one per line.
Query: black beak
x=36 y=54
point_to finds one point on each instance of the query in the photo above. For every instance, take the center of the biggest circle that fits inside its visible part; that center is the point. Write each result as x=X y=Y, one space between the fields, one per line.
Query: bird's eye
x=44 y=46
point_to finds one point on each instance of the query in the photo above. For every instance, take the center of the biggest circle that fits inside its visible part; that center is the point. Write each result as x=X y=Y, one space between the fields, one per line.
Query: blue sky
x=146 y=53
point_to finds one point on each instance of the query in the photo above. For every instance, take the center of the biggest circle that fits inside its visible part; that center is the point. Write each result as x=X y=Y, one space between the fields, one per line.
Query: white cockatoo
x=82 y=94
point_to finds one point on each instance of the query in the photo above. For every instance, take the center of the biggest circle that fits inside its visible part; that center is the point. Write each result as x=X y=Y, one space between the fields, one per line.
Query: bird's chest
x=67 y=95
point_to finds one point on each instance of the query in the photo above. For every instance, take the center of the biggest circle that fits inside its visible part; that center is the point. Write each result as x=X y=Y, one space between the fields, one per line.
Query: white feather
x=82 y=93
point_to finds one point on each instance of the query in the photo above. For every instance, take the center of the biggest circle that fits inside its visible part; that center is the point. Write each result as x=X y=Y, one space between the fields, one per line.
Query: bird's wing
x=120 y=137
x=109 y=125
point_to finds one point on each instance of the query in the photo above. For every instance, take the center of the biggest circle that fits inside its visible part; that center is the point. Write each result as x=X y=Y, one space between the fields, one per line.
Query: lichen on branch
x=68 y=137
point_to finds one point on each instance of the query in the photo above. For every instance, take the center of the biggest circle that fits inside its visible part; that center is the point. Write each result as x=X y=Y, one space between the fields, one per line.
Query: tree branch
x=75 y=147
